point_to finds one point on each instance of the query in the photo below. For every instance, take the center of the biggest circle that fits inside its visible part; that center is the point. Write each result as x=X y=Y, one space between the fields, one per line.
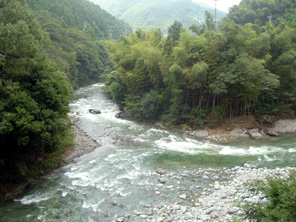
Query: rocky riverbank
x=238 y=129
x=83 y=143
x=221 y=201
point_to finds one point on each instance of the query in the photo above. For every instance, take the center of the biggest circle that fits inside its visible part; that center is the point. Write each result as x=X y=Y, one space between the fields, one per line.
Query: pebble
x=233 y=210
x=160 y=171
x=162 y=180
x=218 y=201
x=121 y=219
x=183 y=196
x=149 y=212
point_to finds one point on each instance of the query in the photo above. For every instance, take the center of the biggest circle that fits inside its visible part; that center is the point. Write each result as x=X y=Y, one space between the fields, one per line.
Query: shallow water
x=119 y=178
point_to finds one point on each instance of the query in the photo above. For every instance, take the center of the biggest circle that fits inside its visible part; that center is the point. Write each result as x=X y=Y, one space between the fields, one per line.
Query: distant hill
x=77 y=30
x=81 y=14
x=262 y=11
x=147 y=14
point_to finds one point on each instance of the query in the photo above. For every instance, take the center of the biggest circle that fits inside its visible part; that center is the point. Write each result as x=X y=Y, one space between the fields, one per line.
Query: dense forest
x=148 y=14
x=239 y=70
x=78 y=30
x=44 y=54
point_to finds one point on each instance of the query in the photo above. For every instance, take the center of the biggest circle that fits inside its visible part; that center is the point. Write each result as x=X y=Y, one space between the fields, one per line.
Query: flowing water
x=119 y=178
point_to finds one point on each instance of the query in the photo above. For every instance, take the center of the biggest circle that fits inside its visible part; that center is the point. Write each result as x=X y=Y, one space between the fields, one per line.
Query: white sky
x=223 y=5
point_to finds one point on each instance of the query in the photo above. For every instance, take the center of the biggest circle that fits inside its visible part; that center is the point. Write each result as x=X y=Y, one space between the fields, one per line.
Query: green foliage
x=175 y=30
x=150 y=106
x=34 y=96
x=237 y=70
x=76 y=31
x=257 y=12
x=83 y=15
x=115 y=88
x=281 y=196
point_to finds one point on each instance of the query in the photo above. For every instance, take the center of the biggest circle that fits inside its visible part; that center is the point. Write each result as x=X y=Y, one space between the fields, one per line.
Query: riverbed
x=120 y=180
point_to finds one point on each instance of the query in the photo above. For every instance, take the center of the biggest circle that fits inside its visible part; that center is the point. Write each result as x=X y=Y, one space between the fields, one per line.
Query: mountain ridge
x=152 y=14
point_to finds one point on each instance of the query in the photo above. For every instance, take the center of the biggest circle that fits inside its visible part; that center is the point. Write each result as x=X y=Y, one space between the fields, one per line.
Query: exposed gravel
x=83 y=142
x=220 y=202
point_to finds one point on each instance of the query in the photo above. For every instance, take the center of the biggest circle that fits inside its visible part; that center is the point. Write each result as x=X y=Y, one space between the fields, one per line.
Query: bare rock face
x=94 y=111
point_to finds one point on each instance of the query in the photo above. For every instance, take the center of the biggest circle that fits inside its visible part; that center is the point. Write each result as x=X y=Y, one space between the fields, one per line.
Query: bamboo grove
x=239 y=70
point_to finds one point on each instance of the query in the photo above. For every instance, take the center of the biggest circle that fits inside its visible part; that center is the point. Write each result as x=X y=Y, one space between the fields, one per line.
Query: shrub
x=281 y=205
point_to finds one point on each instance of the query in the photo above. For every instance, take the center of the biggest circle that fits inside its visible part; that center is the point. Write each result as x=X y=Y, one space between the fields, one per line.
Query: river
x=119 y=178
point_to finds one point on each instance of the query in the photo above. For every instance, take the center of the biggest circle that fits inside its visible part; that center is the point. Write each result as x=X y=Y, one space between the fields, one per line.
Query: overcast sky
x=223 y=5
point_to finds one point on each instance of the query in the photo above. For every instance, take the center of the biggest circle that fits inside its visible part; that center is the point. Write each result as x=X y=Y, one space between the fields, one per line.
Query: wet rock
x=94 y=111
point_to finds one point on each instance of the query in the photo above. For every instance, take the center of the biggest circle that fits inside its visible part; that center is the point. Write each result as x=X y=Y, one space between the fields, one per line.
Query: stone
x=232 y=210
x=149 y=212
x=188 y=215
x=217 y=185
x=210 y=210
x=176 y=207
x=94 y=111
x=162 y=180
x=120 y=219
x=213 y=215
x=205 y=177
x=183 y=196
x=271 y=132
x=203 y=205
x=200 y=133
x=160 y=171
x=255 y=134
x=245 y=195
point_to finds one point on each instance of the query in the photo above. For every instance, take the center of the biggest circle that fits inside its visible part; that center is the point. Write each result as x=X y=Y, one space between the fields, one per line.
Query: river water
x=119 y=178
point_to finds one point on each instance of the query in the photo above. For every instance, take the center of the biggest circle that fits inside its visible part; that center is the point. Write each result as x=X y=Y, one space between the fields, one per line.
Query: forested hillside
x=259 y=12
x=147 y=14
x=240 y=70
x=34 y=96
x=43 y=55
x=77 y=30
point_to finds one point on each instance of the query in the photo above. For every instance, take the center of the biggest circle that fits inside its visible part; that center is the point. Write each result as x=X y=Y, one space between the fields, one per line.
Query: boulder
x=271 y=132
x=256 y=134
x=94 y=111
